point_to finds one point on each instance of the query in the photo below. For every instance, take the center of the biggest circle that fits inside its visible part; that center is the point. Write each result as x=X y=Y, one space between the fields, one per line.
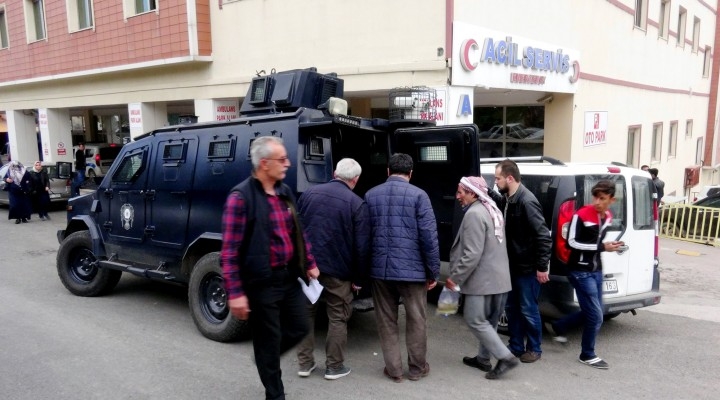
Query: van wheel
x=503 y=324
x=609 y=316
x=208 y=302
x=78 y=270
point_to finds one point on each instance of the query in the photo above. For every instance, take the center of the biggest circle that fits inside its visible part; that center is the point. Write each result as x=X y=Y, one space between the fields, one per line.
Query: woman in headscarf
x=40 y=194
x=18 y=184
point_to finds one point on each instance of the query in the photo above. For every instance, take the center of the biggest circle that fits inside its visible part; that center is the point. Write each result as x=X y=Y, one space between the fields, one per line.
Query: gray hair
x=260 y=148
x=347 y=169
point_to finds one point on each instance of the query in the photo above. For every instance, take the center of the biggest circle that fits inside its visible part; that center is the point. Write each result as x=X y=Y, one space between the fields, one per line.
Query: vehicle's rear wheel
x=609 y=316
x=78 y=270
x=503 y=324
x=208 y=302
x=91 y=174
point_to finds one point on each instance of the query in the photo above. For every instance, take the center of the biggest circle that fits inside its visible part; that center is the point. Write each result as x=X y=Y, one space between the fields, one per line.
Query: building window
x=35 y=20
x=699 y=151
x=696 y=34
x=688 y=128
x=135 y=7
x=633 y=147
x=682 y=22
x=80 y=14
x=3 y=29
x=664 y=20
x=511 y=131
x=706 y=61
x=641 y=14
x=657 y=142
x=672 y=140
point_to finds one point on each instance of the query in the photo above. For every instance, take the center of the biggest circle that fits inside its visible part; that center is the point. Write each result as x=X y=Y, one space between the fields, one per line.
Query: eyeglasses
x=282 y=160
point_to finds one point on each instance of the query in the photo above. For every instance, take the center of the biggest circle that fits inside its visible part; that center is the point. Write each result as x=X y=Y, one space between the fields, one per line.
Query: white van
x=631 y=278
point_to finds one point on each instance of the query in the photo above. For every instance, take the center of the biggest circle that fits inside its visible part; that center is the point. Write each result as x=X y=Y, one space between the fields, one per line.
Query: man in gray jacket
x=479 y=270
x=405 y=262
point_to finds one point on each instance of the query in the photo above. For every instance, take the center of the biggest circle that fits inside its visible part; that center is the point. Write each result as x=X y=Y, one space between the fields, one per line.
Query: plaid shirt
x=281 y=239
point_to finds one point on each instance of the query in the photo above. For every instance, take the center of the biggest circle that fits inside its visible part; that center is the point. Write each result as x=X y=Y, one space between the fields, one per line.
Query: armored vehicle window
x=221 y=148
x=433 y=153
x=129 y=169
x=174 y=151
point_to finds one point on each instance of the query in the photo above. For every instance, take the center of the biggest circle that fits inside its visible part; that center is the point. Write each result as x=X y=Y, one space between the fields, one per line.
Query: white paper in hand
x=312 y=291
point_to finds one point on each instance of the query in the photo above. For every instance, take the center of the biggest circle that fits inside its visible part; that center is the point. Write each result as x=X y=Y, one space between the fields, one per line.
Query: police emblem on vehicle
x=127 y=215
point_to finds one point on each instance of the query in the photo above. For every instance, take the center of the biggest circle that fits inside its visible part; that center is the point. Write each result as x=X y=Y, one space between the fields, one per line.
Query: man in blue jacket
x=336 y=224
x=405 y=262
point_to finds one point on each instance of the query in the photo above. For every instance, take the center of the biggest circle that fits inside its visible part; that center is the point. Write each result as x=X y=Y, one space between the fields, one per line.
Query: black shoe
x=17 y=221
x=475 y=362
x=25 y=220
x=595 y=362
x=502 y=367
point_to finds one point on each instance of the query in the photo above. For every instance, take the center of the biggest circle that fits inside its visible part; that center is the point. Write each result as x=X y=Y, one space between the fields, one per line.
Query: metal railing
x=692 y=223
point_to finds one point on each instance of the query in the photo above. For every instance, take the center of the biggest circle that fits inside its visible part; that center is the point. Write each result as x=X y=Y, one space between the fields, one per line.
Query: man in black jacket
x=528 y=245
x=336 y=224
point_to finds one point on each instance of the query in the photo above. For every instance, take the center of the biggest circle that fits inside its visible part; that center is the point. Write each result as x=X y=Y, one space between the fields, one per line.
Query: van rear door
x=441 y=156
x=629 y=272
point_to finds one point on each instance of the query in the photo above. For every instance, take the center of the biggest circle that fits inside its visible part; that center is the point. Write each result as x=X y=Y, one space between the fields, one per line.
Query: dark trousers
x=523 y=314
x=338 y=304
x=386 y=295
x=279 y=320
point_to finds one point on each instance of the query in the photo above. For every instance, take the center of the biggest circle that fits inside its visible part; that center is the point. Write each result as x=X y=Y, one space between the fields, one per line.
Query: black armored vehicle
x=157 y=212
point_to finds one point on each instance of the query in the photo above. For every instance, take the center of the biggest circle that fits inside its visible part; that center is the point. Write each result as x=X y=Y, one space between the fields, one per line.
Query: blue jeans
x=79 y=180
x=588 y=287
x=524 y=315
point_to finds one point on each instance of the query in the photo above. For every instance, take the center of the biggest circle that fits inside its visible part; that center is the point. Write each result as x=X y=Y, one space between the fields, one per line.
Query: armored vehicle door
x=168 y=190
x=442 y=155
x=124 y=200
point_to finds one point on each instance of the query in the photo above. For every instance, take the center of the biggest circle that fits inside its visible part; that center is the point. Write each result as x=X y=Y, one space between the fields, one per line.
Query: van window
x=110 y=153
x=545 y=188
x=618 y=208
x=642 y=203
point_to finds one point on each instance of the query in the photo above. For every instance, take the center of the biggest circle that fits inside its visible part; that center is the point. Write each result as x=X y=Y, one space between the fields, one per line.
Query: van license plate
x=610 y=286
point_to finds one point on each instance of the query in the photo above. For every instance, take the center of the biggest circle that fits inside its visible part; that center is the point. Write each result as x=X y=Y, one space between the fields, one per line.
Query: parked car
x=707 y=191
x=60 y=190
x=99 y=157
x=698 y=221
x=514 y=131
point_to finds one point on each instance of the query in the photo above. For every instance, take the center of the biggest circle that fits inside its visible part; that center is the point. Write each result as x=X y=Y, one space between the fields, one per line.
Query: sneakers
x=425 y=371
x=481 y=364
x=530 y=357
x=336 y=373
x=306 y=371
x=502 y=366
x=595 y=362
x=556 y=337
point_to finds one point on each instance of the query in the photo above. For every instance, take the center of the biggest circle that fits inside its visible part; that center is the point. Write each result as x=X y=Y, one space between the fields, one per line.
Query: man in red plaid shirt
x=263 y=252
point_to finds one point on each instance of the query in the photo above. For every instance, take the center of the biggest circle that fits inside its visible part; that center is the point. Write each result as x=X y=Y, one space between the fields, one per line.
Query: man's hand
x=313 y=273
x=239 y=307
x=613 y=246
x=543 y=277
x=431 y=283
x=449 y=284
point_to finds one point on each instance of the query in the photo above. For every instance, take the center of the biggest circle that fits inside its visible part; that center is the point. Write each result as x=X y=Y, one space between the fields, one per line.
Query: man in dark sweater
x=80 y=165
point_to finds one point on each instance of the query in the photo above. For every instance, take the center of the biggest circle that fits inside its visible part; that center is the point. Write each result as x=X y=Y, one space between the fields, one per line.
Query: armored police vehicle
x=157 y=212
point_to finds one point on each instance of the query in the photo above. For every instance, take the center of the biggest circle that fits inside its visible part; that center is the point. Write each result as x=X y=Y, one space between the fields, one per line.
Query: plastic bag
x=448 y=302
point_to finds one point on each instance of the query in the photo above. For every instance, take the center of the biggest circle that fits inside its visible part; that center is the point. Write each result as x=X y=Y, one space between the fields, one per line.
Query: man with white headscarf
x=479 y=269
x=18 y=185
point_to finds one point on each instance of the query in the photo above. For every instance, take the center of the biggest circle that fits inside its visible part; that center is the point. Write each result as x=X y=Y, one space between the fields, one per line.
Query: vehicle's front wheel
x=78 y=270
x=208 y=302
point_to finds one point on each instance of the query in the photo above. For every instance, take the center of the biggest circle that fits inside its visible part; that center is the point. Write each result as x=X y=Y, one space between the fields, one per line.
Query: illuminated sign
x=494 y=59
